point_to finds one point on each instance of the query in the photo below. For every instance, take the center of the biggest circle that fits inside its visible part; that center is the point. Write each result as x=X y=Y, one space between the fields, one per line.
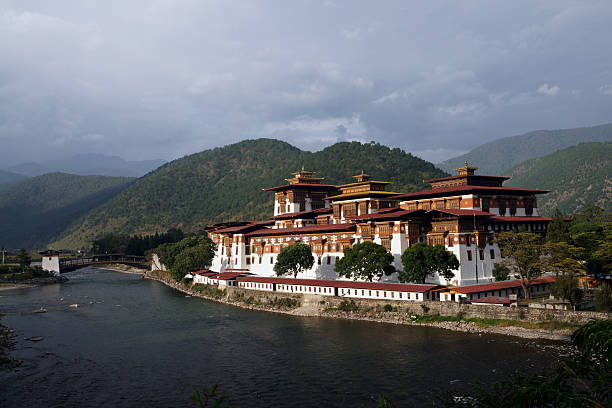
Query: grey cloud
x=162 y=79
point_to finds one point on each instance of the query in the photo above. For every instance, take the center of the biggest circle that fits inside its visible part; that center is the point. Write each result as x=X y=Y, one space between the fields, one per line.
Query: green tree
x=365 y=260
x=558 y=228
x=603 y=298
x=500 y=272
x=421 y=260
x=187 y=255
x=293 y=259
x=23 y=259
x=566 y=287
x=523 y=252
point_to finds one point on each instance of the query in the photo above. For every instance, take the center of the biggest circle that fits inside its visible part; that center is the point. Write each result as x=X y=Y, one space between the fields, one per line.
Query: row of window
x=481 y=254
x=500 y=293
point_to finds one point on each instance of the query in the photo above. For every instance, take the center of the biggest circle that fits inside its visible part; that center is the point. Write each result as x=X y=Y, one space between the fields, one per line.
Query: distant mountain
x=36 y=210
x=226 y=184
x=495 y=157
x=89 y=164
x=577 y=176
x=7 y=178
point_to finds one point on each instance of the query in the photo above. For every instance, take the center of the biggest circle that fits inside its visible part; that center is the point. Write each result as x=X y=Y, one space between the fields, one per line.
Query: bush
x=388 y=308
x=425 y=308
x=603 y=298
x=348 y=306
x=284 y=303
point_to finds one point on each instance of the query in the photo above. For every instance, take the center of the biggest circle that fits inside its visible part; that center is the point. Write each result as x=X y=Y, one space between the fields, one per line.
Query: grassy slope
x=36 y=210
x=577 y=176
x=495 y=157
x=226 y=184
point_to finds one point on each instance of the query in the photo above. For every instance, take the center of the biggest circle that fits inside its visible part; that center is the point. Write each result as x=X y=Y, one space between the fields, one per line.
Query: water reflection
x=136 y=342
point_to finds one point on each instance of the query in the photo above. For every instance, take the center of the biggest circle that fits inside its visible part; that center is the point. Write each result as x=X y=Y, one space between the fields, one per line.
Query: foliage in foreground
x=583 y=379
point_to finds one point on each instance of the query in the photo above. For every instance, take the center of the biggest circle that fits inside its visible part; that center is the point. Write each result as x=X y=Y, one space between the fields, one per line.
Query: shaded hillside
x=577 y=176
x=89 y=164
x=8 y=178
x=226 y=184
x=36 y=210
x=494 y=158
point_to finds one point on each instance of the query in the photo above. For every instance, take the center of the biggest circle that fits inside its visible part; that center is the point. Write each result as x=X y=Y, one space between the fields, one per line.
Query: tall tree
x=421 y=260
x=558 y=228
x=365 y=260
x=294 y=259
x=500 y=272
x=523 y=252
x=23 y=258
x=566 y=287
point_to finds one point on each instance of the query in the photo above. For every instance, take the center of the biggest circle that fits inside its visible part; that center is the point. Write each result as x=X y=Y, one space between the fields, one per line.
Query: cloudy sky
x=165 y=78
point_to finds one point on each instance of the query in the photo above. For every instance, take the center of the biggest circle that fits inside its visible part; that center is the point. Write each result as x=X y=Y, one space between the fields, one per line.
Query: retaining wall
x=410 y=307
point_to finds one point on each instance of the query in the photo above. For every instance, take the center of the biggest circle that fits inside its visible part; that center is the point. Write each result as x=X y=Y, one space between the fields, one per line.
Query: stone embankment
x=521 y=322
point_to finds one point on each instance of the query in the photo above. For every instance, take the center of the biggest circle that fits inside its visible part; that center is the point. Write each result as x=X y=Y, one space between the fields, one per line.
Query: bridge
x=52 y=262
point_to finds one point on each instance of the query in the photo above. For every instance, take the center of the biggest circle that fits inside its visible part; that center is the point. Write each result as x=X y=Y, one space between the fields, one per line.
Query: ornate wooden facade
x=461 y=212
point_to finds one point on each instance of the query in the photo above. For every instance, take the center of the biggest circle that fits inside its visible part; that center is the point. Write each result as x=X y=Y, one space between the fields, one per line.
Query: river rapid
x=133 y=342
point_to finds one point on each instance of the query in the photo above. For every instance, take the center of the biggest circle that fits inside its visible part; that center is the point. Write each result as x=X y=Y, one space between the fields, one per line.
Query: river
x=133 y=342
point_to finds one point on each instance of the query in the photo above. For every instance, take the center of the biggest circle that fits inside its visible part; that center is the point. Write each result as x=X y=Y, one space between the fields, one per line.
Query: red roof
x=496 y=300
x=398 y=212
x=521 y=219
x=465 y=188
x=467 y=176
x=314 y=186
x=300 y=213
x=500 y=285
x=306 y=229
x=228 y=275
x=243 y=228
x=398 y=287
x=462 y=213
x=204 y=272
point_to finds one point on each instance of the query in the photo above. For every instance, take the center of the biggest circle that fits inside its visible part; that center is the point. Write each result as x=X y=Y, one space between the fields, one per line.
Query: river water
x=133 y=342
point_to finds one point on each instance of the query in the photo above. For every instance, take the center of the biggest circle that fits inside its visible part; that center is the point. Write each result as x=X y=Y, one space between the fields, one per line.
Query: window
x=492 y=253
x=271 y=260
x=481 y=254
x=328 y=260
x=260 y=259
x=319 y=260
x=248 y=261
x=469 y=254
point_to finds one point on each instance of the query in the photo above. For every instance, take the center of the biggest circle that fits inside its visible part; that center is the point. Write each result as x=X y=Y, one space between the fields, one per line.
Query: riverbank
x=324 y=306
x=28 y=283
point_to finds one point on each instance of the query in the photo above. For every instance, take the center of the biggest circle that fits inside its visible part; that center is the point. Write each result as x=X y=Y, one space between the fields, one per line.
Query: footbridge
x=52 y=262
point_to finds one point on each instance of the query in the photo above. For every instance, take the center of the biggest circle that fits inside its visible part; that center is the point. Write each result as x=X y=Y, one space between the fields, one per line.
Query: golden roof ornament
x=466 y=170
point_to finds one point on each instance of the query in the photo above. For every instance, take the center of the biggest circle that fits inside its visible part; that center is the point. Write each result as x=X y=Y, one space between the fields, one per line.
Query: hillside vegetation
x=36 y=210
x=577 y=177
x=226 y=183
x=496 y=157
x=8 y=178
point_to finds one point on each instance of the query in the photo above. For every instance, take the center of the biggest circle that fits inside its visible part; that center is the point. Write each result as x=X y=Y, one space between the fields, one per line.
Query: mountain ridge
x=496 y=157
x=35 y=210
x=225 y=183
x=576 y=177
x=89 y=164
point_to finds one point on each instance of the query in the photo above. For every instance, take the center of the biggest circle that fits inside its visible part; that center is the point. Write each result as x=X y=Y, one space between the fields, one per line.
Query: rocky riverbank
x=27 y=283
x=320 y=306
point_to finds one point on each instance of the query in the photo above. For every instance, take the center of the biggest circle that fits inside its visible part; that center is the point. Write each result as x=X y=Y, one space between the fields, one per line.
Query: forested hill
x=577 y=176
x=8 y=178
x=496 y=157
x=36 y=210
x=226 y=184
